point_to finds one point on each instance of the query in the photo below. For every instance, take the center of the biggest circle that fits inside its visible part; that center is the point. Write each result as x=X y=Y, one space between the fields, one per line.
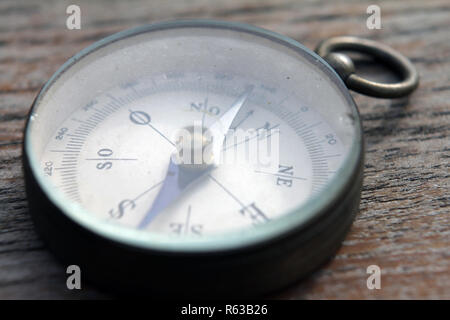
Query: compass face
x=102 y=135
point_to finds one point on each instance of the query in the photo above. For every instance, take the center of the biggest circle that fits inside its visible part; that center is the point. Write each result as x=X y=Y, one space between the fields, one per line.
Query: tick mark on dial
x=280 y=175
x=251 y=138
x=227 y=191
x=141 y=117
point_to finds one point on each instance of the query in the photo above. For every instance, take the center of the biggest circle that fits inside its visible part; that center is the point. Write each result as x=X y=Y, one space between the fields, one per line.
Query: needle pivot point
x=194 y=148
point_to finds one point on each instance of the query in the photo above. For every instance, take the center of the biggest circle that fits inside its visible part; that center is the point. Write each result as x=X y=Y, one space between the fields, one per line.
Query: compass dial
x=111 y=155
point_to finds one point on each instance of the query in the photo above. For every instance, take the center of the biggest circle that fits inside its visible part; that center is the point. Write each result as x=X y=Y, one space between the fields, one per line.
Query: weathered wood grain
x=404 y=222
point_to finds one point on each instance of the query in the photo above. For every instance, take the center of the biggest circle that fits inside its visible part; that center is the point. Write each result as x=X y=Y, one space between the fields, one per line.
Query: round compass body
x=194 y=158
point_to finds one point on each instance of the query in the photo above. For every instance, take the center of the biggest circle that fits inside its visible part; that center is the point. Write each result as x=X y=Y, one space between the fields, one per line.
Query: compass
x=194 y=159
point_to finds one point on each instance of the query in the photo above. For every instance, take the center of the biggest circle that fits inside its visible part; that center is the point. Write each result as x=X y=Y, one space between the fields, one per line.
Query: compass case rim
x=275 y=228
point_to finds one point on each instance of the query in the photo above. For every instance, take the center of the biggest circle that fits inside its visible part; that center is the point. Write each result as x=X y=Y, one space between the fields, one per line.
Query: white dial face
x=112 y=153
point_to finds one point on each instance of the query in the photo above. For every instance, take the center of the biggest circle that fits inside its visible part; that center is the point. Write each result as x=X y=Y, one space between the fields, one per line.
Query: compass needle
x=180 y=176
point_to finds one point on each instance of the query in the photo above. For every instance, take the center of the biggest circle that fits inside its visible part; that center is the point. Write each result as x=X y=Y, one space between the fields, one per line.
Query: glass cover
x=107 y=131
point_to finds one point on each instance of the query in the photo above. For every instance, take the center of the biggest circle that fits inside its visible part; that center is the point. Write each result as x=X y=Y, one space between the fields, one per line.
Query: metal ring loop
x=345 y=68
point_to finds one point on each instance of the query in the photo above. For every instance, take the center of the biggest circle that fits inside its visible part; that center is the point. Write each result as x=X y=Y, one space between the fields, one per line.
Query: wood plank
x=404 y=222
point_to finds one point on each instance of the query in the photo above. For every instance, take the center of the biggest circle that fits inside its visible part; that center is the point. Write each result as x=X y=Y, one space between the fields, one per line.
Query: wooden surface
x=404 y=222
